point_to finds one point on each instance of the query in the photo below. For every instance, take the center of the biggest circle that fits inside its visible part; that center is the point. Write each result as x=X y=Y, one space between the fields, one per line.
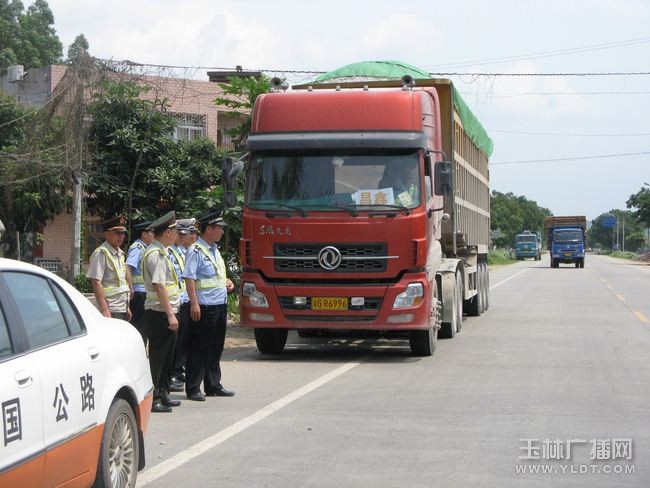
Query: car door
x=22 y=449
x=71 y=370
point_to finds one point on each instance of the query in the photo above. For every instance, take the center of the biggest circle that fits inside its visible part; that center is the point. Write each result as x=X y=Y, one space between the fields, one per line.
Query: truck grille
x=355 y=258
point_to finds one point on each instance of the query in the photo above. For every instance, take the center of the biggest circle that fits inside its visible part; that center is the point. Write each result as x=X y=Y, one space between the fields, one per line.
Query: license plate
x=329 y=303
x=567 y=254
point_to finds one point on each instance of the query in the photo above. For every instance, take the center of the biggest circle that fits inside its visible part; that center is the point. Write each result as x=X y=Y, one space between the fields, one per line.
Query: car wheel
x=119 y=453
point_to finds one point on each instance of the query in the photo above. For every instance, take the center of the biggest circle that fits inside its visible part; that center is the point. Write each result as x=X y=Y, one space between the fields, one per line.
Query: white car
x=75 y=387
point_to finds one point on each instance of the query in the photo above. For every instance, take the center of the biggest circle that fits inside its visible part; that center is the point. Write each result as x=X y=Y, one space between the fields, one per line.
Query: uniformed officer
x=207 y=287
x=177 y=251
x=107 y=272
x=133 y=261
x=161 y=308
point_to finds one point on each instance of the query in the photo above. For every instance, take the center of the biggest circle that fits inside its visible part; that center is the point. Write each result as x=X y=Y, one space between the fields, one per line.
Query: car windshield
x=568 y=236
x=326 y=181
x=526 y=238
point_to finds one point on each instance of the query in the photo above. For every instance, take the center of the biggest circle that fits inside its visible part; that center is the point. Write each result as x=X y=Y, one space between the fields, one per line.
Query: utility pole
x=81 y=75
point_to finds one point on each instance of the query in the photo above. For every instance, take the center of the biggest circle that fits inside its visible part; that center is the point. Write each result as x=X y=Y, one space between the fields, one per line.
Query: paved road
x=561 y=358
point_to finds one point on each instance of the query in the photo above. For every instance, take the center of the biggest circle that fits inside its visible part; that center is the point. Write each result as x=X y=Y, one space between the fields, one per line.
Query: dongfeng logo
x=329 y=258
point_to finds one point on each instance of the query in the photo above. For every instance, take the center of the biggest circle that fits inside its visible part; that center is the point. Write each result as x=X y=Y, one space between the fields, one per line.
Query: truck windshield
x=568 y=236
x=318 y=181
x=526 y=238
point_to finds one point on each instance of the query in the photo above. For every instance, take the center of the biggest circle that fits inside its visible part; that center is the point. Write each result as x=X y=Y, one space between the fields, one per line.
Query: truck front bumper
x=364 y=306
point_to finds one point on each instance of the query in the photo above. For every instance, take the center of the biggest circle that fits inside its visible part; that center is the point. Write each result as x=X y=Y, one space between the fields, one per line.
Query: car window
x=38 y=307
x=5 y=342
x=71 y=316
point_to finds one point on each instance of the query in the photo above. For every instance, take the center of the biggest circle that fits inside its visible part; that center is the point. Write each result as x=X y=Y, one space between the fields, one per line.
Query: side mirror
x=236 y=168
x=442 y=178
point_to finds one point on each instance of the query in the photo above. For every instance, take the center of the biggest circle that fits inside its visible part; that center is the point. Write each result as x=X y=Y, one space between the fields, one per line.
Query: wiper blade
x=387 y=205
x=256 y=205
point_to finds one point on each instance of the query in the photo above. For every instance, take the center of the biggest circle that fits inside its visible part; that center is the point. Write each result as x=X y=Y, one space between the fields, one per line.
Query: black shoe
x=159 y=407
x=168 y=402
x=220 y=391
x=196 y=397
x=176 y=386
x=181 y=377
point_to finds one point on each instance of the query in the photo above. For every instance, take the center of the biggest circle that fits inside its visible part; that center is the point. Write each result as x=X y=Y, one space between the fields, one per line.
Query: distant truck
x=528 y=245
x=566 y=239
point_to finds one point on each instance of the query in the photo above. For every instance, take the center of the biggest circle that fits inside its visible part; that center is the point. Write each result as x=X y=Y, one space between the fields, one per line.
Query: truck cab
x=568 y=246
x=528 y=245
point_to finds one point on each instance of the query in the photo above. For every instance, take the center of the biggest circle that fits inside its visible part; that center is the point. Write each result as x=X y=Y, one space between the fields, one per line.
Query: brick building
x=191 y=103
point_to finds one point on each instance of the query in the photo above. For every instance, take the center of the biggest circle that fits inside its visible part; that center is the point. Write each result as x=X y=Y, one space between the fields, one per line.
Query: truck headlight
x=411 y=297
x=254 y=297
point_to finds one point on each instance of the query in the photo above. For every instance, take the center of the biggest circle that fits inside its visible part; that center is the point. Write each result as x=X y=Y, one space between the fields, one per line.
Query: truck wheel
x=474 y=305
x=271 y=341
x=486 y=287
x=423 y=342
x=582 y=263
x=119 y=453
x=449 y=329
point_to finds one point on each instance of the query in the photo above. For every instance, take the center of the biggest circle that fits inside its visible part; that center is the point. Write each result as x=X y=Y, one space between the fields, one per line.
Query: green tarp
x=386 y=70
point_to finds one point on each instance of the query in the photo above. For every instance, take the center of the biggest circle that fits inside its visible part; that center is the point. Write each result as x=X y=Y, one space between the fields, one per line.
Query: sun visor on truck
x=335 y=140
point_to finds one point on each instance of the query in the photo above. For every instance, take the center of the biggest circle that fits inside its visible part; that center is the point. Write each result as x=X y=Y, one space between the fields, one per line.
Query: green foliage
x=132 y=150
x=512 y=214
x=500 y=256
x=82 y=283
x=605 y=238
x=28 y=38
x=33 y=188
x=78 y=47
x=641 y=201
x=239 y=94
x=623 y=255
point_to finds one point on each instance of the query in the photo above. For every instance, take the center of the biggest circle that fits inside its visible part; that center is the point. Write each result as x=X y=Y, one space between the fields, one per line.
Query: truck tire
x=474 y=306
x=271 y=341
x=582 y=263
x=486 y=287
x=423 y=342
x=448 y=329
x=119 y=451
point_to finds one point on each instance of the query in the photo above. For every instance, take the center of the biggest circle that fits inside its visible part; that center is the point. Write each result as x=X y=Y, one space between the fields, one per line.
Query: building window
x=189 y=127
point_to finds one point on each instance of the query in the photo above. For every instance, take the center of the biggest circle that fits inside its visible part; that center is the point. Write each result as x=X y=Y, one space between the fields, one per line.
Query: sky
x=529 y=118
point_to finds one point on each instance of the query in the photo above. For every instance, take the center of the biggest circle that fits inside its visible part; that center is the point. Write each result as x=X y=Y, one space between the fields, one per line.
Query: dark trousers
x=180 y=352
x=119 y=315
x=205 y=345
x=137 y=312
x=161 y=351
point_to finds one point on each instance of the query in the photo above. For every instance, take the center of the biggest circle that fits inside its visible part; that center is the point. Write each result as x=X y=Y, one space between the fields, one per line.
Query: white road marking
x=508 y=279
x=161 y=469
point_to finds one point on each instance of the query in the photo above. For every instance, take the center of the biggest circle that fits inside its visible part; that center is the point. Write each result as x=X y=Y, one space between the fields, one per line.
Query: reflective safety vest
x=138 y=279
x=122 y=286
x=172 y=288
x=218 y=281
x=180 y=259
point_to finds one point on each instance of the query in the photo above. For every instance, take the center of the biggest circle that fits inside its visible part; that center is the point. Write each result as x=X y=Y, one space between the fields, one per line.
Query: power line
x=510 y=95
x=577 y=158
x=594 y=73
x=543 y=54
x=569 y=134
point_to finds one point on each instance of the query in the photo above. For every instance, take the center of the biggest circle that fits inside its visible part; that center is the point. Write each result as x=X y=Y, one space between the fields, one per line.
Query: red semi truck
x=367 y=207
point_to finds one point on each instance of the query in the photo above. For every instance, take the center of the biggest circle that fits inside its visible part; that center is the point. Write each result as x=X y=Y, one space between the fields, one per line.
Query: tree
x=641 y=201
x=606 y=238
x=137 y=168
x=513 y=214
x=32 y=174
x=28 y=38
x=239 y=95
x=78 y=47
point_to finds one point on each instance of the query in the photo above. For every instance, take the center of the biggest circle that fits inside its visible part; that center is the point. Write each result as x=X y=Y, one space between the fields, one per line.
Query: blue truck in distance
x=528 y=245
x=566 y=239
